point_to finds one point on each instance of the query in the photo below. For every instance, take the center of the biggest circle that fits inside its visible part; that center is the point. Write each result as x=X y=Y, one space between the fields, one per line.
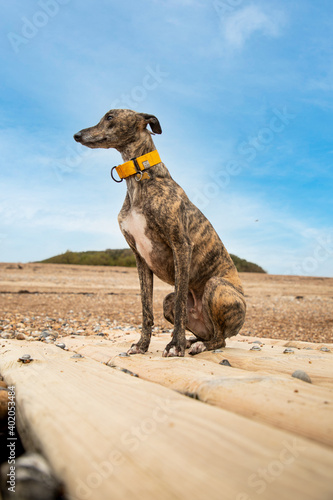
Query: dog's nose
x=78 y=136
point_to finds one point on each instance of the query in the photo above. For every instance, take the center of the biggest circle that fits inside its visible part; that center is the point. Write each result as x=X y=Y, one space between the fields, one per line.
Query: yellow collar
x=137 y=166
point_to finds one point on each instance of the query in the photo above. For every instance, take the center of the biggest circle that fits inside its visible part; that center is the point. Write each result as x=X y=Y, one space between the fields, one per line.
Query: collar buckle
x=137 y=166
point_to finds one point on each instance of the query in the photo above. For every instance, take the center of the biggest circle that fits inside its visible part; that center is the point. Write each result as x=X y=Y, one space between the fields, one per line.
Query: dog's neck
x=140 y=147
x=143 y=145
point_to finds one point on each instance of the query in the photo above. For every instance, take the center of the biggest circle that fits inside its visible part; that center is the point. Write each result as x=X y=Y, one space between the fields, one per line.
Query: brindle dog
x=171 y=238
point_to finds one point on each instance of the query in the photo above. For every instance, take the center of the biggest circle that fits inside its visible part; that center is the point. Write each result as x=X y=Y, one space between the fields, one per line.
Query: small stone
x=33 y=479
x=46 y=336
x=302 y=376
x=255 y=348
x=61 y=345
x=325 y=349
x=20 y=336
x=124 y=370
x=36 y=333
x=288 y=351
x=77 y=355
x=218 y=350
x=26 y=358
x=123 y=355
x=224 y=362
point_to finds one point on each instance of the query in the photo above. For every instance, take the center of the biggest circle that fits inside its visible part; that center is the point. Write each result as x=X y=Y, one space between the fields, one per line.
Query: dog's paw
x=136 y=349
x=173 y=351
x=196 y=348
x=190 y=341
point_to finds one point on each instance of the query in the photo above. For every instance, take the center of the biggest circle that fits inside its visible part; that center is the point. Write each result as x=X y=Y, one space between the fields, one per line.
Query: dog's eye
x=109 y=118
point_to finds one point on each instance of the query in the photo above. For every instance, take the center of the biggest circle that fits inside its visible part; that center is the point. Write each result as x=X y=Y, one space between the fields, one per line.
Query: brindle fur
x=172 y=239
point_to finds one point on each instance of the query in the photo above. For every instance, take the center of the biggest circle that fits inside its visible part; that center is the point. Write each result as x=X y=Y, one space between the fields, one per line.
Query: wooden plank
x=318 y=365
x=266 y=397
x=110 y=435
x=271 y=359
x=298 y=344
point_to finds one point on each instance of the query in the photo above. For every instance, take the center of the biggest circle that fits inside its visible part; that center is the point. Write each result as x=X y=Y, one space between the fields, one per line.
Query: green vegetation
x=123 y=257
x=244 y=266
x=126 y=258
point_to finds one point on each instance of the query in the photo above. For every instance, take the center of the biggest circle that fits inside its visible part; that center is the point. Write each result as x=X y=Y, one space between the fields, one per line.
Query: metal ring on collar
x=138 y=178
x=115 y=180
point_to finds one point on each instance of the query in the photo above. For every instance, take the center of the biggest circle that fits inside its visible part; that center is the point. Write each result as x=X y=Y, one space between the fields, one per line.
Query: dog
x=171 y=238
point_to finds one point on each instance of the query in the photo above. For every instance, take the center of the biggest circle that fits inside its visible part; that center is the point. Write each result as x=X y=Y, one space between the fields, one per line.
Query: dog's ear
x=153 y=123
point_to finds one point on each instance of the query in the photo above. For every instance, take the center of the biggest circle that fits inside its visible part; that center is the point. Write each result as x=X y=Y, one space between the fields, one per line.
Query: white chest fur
x=135 y=224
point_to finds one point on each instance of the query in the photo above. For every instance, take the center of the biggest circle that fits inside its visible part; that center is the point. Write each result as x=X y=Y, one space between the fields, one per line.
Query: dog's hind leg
x=224 y=307
x=193 y=323
x=169 y=307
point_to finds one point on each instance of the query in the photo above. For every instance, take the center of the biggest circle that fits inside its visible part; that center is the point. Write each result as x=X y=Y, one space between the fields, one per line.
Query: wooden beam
x=110 y=435
x=279 y=400
x=272 y=359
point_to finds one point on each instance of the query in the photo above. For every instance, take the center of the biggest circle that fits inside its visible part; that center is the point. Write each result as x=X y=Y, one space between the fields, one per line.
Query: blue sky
x=242 y=89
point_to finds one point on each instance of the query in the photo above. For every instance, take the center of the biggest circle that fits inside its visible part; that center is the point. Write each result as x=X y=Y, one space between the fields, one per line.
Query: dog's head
x=117 y=129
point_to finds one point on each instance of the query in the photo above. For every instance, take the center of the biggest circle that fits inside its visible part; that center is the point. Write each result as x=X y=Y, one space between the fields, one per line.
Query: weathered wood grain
x=272 y=359
x=110 y=435
x=279 y=400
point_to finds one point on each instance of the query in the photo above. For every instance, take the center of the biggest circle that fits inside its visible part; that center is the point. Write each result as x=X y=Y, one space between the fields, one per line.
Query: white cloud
x=265 y=232
x=30 y=233
x=239 y=26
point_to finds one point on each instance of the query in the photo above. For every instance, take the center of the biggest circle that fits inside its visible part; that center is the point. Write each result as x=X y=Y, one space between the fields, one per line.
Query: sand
x=56 y=300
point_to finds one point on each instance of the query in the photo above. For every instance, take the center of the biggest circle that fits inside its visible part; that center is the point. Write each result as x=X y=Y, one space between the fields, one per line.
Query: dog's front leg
x=182 y=252
x=146 y=286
